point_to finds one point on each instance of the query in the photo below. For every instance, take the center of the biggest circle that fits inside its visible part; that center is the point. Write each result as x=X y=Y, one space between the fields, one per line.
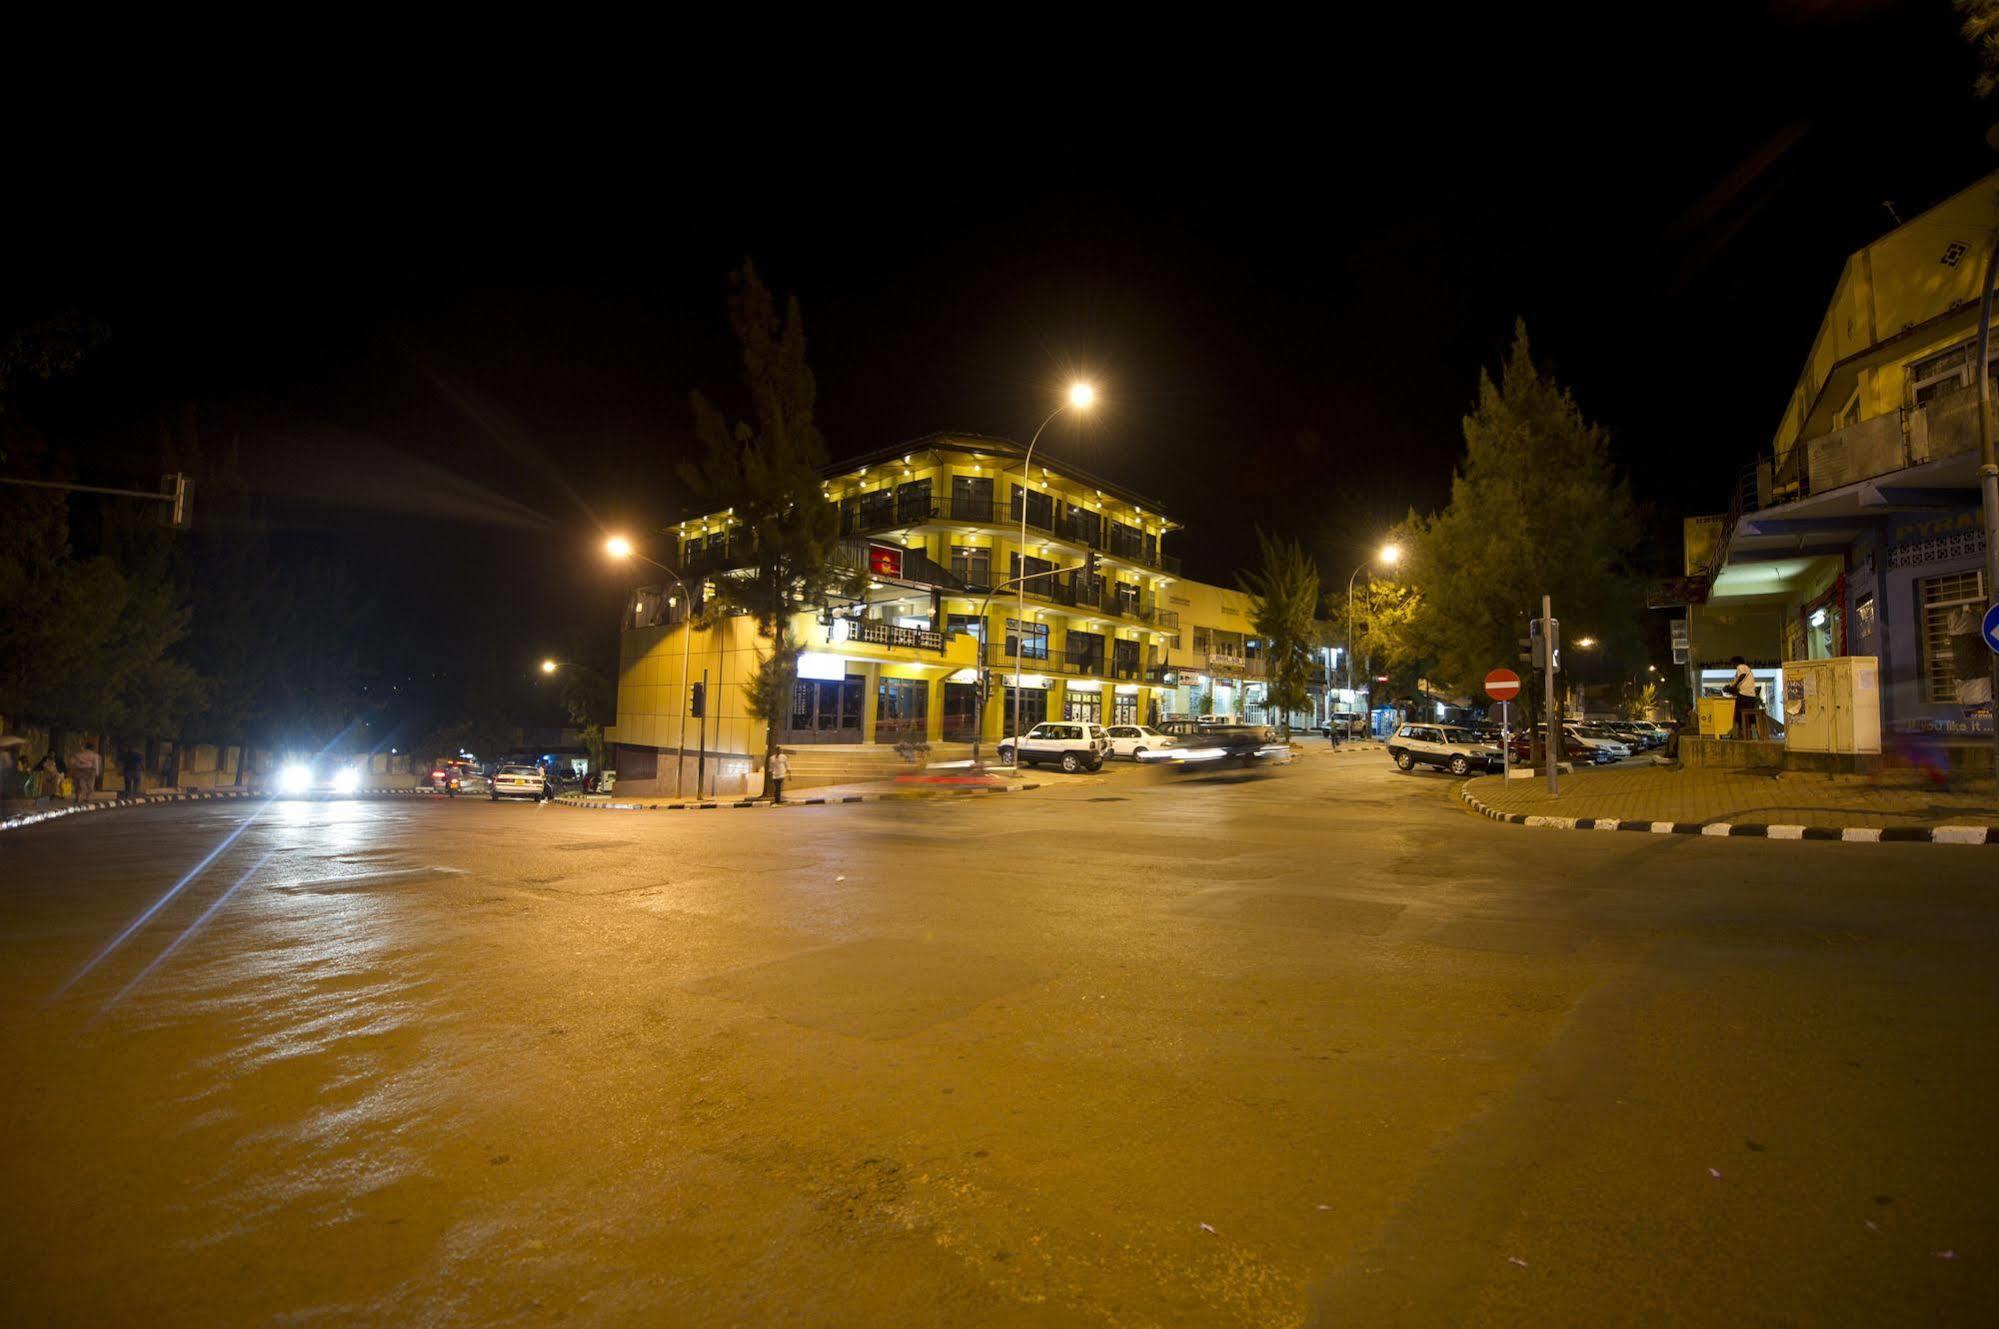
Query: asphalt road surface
x=1307 y=1047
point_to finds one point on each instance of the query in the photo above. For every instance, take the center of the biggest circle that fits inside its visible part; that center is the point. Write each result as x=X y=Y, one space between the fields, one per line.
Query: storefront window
x=1085 y=706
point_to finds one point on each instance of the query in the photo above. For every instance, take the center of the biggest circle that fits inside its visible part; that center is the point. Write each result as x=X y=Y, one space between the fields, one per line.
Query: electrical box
x=1833 y=705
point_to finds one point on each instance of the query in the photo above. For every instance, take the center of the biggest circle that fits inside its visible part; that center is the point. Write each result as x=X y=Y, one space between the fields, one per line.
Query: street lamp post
x=1080 y=397
x=621 y=548
x=1389 y=554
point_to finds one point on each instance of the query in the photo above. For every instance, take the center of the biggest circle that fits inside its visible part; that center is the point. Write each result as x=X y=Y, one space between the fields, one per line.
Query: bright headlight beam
x=346 y=781
x=294 y=779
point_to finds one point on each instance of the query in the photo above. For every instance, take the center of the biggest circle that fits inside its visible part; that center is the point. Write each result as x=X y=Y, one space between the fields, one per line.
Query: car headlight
x=346 y=781
x=294 y=779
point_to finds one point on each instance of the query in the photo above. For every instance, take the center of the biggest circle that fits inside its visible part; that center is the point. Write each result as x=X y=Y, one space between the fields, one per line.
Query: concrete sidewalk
x=863 y=792
x=1640 y=793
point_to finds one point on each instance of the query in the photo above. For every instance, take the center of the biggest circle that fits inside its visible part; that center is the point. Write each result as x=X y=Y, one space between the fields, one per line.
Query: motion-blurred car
x=319 y=777
x=456 y=776
x=1222 y=745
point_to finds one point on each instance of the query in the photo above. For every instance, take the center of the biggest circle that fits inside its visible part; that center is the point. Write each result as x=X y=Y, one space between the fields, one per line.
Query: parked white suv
x=1074 y=745
x=1129 y=740
x=1444 y=746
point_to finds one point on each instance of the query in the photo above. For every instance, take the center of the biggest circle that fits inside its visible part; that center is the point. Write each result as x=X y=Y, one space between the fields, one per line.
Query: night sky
x=460 y=357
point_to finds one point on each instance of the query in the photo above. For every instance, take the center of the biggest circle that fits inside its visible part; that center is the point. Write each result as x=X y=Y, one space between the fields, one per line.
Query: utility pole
x=1550 y=652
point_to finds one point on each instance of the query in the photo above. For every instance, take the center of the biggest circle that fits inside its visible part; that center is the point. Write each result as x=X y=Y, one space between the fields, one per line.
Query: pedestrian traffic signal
x=697 y=704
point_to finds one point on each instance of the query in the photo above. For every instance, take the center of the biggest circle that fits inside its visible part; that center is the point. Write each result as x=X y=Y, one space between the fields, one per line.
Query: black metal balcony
x=877 y=633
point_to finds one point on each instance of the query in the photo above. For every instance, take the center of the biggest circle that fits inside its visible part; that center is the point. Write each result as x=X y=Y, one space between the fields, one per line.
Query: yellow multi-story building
x=934 y=527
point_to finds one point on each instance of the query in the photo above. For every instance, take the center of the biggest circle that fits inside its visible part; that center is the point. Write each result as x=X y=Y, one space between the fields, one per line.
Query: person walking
x=84 y=768
x=130 y=765
x=48 y=776
x=779 y=767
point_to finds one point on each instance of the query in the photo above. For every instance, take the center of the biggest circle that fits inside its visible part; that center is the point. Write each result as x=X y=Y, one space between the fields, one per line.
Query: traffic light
x=697 y=704
x=179 y=486
x=1090 y=565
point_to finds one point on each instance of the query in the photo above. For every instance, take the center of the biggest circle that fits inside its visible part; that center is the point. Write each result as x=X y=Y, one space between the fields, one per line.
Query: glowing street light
x=1082 y=395
x=1388 y=556
x=549 y=666
x=1585 y=642
x=618 y=547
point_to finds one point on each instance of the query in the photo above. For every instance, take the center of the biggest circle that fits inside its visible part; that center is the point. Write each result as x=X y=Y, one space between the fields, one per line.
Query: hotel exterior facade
x=931 y=532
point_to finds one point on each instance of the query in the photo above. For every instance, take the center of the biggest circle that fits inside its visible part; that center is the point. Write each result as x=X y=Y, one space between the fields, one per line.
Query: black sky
x=474 y=336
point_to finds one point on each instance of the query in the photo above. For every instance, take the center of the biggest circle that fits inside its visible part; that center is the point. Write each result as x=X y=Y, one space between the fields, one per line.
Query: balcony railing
x=877 y=633
x=1944 y=427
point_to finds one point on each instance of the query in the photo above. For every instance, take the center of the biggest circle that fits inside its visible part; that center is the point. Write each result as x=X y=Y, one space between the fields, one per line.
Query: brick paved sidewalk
x=1711 y=794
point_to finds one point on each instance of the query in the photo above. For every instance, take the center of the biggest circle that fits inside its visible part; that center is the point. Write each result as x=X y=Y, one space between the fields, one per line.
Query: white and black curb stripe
x=569 y=801
x=1749 y=829
x=193 y=796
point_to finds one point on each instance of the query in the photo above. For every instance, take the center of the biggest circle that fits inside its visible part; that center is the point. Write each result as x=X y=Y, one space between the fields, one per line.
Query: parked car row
x=1075 y=745
x=1463 y=751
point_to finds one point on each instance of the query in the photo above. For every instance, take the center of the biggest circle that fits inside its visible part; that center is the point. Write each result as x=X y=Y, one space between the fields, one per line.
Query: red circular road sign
x=1502 y=685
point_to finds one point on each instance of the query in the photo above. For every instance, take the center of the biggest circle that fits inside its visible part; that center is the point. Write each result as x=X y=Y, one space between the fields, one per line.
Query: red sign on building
x=884 y=561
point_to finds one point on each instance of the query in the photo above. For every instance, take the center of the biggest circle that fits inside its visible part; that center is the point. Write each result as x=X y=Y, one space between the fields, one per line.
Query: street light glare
x=548 y=666
x=1391 y=554
x=618 y=547
x=1586 y=642
x=1082 y=395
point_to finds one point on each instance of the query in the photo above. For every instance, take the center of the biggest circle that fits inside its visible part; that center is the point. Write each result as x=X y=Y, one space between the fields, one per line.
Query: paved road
x=1311 y=1047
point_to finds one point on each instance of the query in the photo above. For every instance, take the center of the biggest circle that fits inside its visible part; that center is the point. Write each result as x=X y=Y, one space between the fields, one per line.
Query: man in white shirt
x=84 y=768
x=1749 y=718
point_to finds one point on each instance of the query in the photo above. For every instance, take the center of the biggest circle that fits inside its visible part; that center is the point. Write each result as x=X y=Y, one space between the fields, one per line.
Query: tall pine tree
x=1536 y=509
x=766 y=468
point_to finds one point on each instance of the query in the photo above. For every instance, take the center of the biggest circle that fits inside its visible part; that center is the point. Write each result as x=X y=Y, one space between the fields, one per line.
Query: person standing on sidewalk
x=780 y=767
x=84 y=769
x=1749 y=722
x=130 y=764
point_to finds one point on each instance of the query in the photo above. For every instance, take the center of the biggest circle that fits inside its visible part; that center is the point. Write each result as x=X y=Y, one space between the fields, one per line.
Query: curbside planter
x=1747 y=829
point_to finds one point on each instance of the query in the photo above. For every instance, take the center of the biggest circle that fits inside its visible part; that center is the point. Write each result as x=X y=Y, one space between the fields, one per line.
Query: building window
x=1040 y=508
x=1127 y=541
x=1085 y=706
x=877 y=510
x=1124 y=708
x=1203 y=641
x=1942 y=374
x=1033 y=703
x=971 y=498
x=1124 y=658
x=1950 y=606
x=912 y=502
x=902 y=709
x=1035 y=645
x=1036 y=573
x=969 y=624
x=1085 y=651
x=974 y=567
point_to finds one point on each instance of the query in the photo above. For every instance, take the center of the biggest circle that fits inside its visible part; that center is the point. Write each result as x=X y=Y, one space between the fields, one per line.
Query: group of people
x=74 y=780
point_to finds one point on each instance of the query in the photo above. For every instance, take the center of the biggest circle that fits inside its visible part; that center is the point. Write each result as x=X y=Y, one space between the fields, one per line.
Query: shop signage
x=884 y=561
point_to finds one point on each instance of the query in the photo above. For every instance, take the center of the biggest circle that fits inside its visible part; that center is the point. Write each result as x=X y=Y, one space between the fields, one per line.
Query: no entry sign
x=1502 y=685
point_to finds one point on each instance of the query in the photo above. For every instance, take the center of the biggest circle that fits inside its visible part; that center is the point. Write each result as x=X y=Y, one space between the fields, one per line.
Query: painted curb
x=196 y=796
x=568 y=801
x=1754 y=830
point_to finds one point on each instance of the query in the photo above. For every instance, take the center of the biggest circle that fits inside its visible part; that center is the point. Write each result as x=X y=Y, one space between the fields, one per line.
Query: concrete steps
x=855 y=763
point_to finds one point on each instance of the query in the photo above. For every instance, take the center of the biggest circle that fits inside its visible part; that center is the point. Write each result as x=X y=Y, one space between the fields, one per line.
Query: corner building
x=935 y=526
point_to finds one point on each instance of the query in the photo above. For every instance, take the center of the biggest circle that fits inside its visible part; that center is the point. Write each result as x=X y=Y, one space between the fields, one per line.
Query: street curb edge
x=1746 y=829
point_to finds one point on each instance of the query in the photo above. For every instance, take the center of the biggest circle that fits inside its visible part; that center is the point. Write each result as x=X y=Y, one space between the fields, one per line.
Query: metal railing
x=877 y=633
